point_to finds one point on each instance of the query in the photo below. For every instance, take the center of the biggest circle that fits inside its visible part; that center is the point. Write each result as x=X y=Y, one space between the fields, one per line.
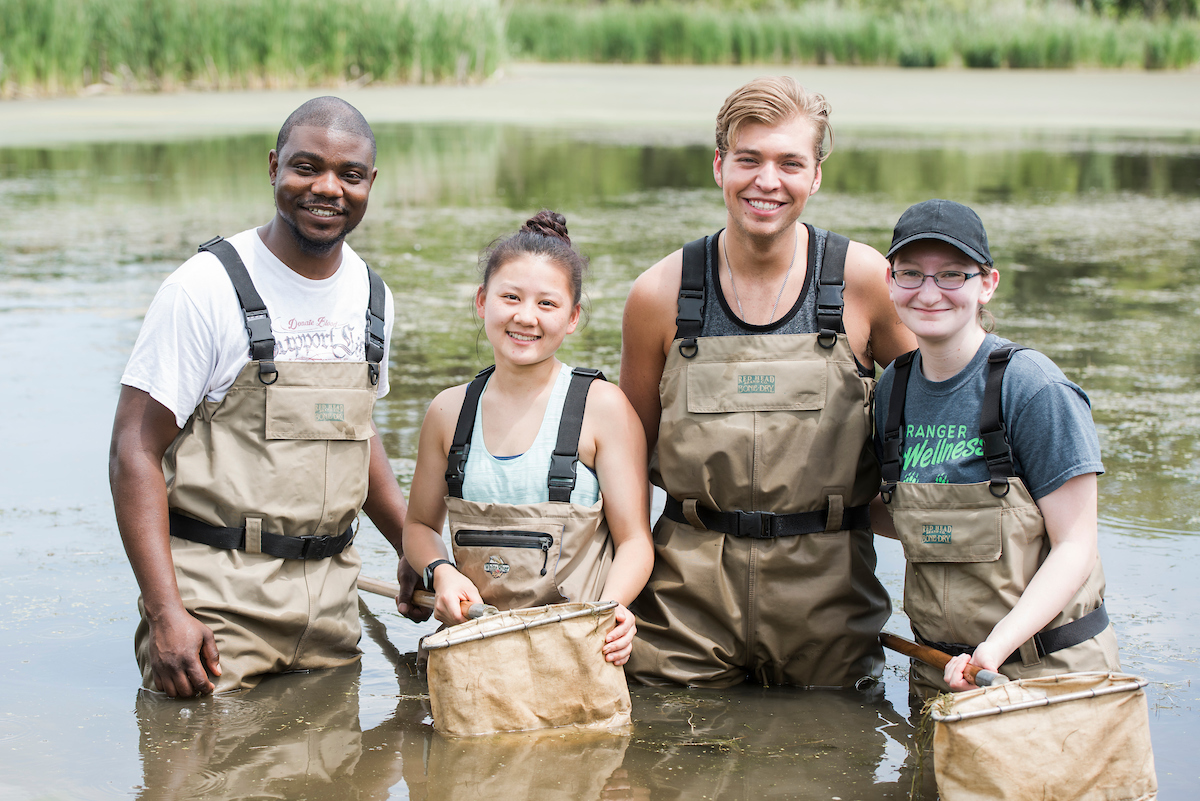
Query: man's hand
x=183 y=652
x=409 y=580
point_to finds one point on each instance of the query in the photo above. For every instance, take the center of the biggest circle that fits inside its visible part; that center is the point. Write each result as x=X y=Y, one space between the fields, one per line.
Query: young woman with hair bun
x=540 y=467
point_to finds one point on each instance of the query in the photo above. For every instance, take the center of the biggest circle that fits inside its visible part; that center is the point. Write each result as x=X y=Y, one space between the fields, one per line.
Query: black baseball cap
x=945 y=220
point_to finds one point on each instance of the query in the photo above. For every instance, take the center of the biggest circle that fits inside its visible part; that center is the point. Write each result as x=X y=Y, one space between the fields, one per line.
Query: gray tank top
x=721 y=321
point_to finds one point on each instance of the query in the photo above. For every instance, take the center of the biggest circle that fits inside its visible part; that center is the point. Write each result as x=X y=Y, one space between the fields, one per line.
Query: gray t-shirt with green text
x=1049 y=422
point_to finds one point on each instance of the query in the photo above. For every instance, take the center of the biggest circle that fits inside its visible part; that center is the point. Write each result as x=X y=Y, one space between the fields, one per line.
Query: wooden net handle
x=939 y=659
x=421 y=598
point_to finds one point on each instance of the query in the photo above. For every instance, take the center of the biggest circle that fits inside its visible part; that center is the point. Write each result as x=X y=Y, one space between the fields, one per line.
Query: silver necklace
x=786 y=276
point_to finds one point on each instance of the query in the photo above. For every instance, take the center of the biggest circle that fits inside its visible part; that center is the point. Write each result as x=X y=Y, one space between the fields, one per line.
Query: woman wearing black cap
x=990 y=460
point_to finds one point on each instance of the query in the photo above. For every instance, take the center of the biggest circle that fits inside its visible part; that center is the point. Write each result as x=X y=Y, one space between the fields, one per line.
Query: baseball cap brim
x=975 y=255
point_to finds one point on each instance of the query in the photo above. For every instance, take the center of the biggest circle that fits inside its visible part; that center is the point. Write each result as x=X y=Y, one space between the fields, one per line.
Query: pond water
x=1098 y=243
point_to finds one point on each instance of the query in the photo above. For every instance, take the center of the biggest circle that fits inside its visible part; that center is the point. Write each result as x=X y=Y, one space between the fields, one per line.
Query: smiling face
x=768 y=175
x=527 y=309
x=322 y=177
x=936 y=315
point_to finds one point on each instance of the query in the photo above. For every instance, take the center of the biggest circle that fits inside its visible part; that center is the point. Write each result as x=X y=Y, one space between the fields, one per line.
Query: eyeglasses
x=915 y=279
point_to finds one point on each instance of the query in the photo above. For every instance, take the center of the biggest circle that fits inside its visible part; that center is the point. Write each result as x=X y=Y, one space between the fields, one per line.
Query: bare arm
x=183 y=650
x=427 y=509
x=876 y=333
x=615 y=433
x=1070 y=514
x=647 y=329
x=387 y=509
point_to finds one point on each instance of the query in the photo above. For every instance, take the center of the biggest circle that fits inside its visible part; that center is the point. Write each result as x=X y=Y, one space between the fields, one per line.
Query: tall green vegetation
x=63 y=45
x=910 y=34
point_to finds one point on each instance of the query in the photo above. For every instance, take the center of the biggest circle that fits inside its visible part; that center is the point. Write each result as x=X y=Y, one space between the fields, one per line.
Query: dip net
x=527 y=669
x=1073 y=736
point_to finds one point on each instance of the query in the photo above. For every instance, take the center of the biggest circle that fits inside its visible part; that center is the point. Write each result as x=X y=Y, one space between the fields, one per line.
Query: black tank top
x=721 y=321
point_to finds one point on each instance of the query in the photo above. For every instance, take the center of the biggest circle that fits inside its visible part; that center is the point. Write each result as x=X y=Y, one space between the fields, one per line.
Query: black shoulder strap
x=561 y=480
x=996 y=448
x=376 y=325
x=829 y=291
x=690 y=320
x=254 y=311
x=456 y=460
x=893 y=436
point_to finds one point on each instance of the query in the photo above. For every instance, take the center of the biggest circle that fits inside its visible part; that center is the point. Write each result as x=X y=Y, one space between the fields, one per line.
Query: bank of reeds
x=65 y=46
x=1017 y=36
x=56 y=46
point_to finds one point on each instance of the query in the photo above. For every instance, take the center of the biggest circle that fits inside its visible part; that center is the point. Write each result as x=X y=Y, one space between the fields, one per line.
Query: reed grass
x=55 y=46
x=64 y=46
x=1015 y=36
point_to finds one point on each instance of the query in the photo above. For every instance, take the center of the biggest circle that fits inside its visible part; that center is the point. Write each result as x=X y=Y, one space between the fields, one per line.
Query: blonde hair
x=772 y=101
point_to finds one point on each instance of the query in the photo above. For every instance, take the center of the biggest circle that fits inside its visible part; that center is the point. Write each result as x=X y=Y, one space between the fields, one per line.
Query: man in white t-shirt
x=243 y=447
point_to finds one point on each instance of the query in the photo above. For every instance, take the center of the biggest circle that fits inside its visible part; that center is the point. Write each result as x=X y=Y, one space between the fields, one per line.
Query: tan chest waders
x=263 y=488
x=764 y=564
x=972 y=549
x=523 y=555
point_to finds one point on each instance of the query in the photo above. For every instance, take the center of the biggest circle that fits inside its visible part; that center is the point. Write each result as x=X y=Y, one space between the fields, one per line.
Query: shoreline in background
x=682 y=99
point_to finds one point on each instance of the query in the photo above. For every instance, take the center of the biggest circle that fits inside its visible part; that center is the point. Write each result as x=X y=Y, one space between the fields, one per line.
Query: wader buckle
x=755 y=525
x=561 y=480
x=319 y=547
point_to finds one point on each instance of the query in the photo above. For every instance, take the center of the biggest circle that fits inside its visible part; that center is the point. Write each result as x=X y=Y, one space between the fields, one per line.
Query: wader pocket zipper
x=473 y=538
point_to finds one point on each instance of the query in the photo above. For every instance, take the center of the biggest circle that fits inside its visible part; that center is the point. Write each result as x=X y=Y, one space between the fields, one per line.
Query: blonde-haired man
x=749 y=356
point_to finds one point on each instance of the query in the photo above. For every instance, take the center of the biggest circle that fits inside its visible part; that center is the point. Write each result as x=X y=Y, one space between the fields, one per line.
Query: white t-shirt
x=193 y=342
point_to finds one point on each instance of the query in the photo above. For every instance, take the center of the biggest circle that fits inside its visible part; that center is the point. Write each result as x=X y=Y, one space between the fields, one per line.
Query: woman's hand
x=984 y=658
x=452 y=589
x=618 y=643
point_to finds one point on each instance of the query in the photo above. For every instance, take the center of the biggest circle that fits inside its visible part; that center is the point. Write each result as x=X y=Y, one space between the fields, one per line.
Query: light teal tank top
x=522 y=479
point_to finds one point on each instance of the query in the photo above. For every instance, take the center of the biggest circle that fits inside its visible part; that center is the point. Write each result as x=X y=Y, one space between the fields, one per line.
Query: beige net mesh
x=1079 y=736
x=527 y=669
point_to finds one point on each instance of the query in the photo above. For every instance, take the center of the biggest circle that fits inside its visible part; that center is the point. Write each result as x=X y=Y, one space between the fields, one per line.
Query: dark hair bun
x=548 y=223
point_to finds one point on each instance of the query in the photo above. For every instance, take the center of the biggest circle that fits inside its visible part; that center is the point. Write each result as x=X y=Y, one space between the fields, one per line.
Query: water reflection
x=296 y=735
x=755 y=743
x=1099 y=250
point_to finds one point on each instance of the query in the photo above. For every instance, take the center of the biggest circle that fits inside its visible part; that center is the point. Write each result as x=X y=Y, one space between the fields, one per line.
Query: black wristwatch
x=429 y=568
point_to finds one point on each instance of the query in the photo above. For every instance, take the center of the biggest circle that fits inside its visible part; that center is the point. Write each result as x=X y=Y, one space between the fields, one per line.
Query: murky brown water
x=1098 y=242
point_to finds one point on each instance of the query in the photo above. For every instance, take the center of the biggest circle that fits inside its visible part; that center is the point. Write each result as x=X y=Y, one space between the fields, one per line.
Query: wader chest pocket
x=749 y=386
x=512 y=569
x=319 y=413
x=949 y=535
x=498 y=540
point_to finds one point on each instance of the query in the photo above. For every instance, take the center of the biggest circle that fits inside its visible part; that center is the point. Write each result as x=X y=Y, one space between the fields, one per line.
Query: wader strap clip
x=691 y=307
x=560 y=481
x=456 y=459
x=254 y=311
x=997 y=451
x=830 y=300
x=376 y=325
x=690 y=319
